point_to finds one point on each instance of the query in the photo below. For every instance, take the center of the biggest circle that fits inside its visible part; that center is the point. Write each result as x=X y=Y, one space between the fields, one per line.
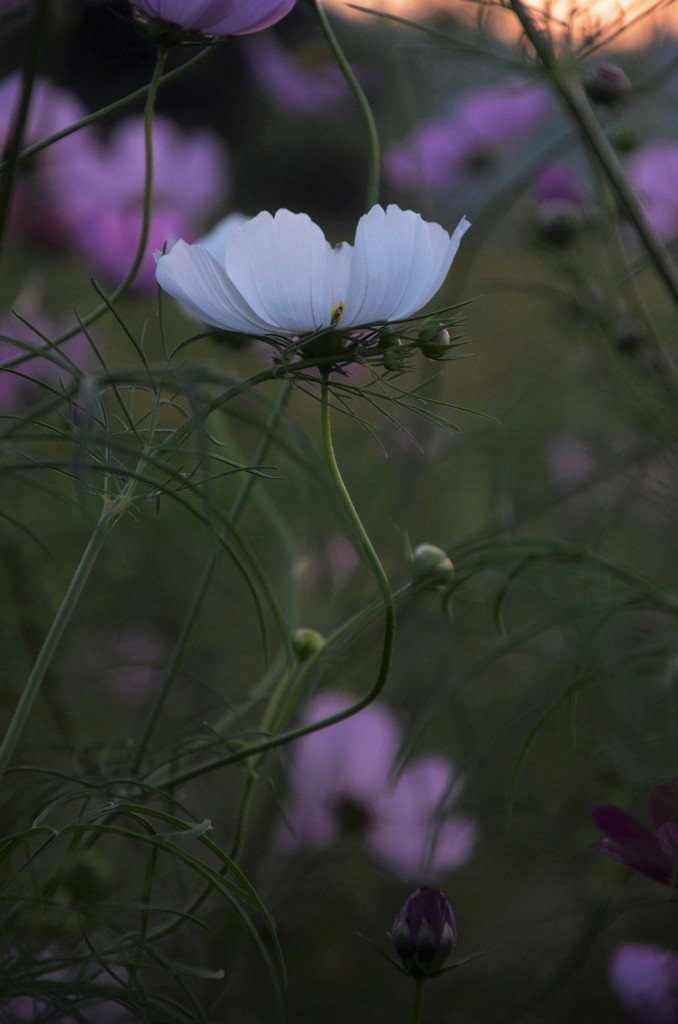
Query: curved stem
x=63 y=616
x=36 y=36
x=363 y=103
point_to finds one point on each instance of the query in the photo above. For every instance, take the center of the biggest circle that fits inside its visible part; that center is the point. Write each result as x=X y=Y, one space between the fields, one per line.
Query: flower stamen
x=337 y=313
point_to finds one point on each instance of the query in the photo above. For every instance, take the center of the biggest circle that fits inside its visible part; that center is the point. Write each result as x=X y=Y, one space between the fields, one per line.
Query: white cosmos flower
x=279 y=275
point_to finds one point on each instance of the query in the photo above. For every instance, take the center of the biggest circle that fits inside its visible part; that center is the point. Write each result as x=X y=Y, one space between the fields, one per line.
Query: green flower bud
x=424 y=933
x=434 y=339
x=431 y=567
x=305 y=643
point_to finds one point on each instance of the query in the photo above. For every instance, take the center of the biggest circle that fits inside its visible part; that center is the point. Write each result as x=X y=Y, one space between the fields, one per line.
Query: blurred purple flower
x=654 y=854
x=290 y=82
x=653 y=172
x=569 y=461
x=98 y=191
x=343 y=783
x=559 y=183
x=645 y=980
x=218 y=17
x=480 y=125
x=51 y=110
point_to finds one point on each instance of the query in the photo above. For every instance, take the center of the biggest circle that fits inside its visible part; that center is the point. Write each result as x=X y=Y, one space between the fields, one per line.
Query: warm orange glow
x=641 y=20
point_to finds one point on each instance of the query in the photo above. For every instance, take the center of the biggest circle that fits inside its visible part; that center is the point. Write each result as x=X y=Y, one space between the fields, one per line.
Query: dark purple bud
x=424 y=933
x=607 y=84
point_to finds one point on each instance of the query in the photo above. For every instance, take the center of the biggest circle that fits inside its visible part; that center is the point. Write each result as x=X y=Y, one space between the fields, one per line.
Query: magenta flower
x=559 y=183
x=343 y=783
x=218 y=17
x=654 y=854
x=477 y=129
x=97 y=192
x=645 y=980
x=653 y=172
x=424 y=933
x=51 y=110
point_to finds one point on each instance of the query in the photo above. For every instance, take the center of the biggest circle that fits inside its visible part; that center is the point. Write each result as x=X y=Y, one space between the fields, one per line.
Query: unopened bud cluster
x=431 y=568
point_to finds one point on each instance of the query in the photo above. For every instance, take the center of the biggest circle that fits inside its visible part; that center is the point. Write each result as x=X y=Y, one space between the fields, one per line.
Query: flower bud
x=431 y=567
x=434 y=340
x=607 y=84
x=424 y=933
x=305 y=643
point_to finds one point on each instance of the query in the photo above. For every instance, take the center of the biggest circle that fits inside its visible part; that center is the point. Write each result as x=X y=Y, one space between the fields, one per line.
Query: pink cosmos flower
x=291 y=83
x=343 y=782
x=478 y=128
x=218 y=17
x=97 y=191
x=653 y=172
x=559 y=183
x=654 y=854
x=645 y=980
x=51 y=1000
x=569 y=461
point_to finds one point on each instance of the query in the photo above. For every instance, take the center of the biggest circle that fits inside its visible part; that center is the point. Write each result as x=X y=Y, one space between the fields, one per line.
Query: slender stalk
x=572 y=93
x=418 y=996
x=63 y=616
x=36 y=36
x=355 y=87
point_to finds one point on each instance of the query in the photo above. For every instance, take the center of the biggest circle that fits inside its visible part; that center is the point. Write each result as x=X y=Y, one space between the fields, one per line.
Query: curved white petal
x=285 y=269
x=191 y=274
x=399 y=263
x=215 y=240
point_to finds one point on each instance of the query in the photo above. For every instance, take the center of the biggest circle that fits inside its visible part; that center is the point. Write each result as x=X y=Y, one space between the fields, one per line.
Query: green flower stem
x=37 y=34
x=387 y=604
x=571 y=90
x=418 y=996
x=107 y=520
x=199 y=595
x=366 y=110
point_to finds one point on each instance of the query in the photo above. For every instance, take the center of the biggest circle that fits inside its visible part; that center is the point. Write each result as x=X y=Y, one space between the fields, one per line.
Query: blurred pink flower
x=218 y=17
x=98 y=190
x=343 y=782
x=479 y=126
x=653 y=172
x=60 y=1006
x=645 y=980
x=569 y=461
x=559 y=183
x=290 y=82
x=51 y=110
x=654 y=854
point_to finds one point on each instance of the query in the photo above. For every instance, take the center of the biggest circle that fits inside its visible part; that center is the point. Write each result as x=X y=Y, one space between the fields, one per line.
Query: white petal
x=191 y=274
x=215 y=241
x=285 y=269
x=399 y=263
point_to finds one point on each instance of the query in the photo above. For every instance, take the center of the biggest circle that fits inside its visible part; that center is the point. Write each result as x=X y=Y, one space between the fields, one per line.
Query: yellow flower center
x=337 y=313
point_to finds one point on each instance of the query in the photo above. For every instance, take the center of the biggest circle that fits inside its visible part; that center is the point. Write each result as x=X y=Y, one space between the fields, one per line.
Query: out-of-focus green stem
x=107 y=520
x=418 y=995
x=569 y=86
x=37 y=34
x=363 y=103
